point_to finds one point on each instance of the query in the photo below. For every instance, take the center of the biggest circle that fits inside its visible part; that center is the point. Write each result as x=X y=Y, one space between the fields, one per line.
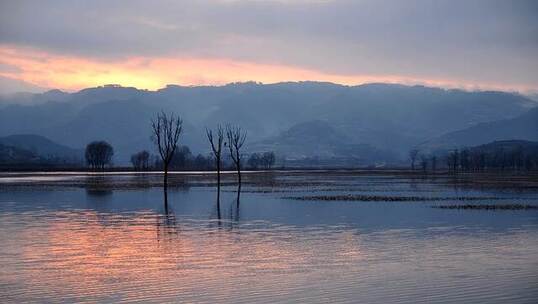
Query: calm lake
x=292 y=237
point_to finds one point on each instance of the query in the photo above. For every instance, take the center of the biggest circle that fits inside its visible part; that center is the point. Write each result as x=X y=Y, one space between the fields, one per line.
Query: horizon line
x=470 y=89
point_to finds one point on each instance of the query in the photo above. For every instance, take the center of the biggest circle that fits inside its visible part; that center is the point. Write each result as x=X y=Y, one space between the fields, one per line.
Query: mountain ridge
x=523 y=127
x=387 y=117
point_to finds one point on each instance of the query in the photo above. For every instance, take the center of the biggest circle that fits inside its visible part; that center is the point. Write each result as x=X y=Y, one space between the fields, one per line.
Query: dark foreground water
x=79 y=238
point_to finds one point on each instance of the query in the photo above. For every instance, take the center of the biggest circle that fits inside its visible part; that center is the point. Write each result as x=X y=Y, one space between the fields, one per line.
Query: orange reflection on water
x=87 y=254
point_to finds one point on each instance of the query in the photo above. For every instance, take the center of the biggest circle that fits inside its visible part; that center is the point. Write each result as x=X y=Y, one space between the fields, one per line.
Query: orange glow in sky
x=73 y=73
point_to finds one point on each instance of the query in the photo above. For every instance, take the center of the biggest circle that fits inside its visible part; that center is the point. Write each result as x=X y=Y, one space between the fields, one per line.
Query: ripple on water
x=76 y=246
x=82 y=255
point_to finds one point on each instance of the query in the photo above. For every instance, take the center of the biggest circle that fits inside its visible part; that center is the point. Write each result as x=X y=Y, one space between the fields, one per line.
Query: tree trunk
x=165 y=186
x=218 y=190
x=218 y=183
x=238 y=184
x=165 y=181
x=239 y=177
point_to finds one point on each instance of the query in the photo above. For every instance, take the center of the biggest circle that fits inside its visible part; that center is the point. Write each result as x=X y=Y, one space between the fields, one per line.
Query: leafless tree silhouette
x=140 y=160
x=424 y=162
x=413 y=157
x=98 y=154
x=167 y=129
x=453 y=160
x=217 y=141
x=236 y=139
x=268 y=160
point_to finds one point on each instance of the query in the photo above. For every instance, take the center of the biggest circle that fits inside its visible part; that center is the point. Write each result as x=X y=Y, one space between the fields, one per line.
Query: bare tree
x=98 y=154
x=254 y=161
x=268 y=160
x=465 y=161
x=217 y=141
x=517 y=158
x=453 y=160
x=413 y=153
x=236 y=138
x=167 y=129
x=265 y=160
x=424 y=162
x=140 y=160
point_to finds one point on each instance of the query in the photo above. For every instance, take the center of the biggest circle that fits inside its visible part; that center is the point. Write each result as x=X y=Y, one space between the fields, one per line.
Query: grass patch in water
x=488 y=207
x=382 y=198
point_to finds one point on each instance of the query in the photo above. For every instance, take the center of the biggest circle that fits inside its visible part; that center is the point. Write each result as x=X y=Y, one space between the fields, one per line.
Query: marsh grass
x=383 y=198
x=488 y=207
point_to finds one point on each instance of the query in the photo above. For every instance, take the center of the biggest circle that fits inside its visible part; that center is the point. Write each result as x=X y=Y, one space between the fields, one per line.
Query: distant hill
x=123 y=123
x=10 y=155
x=533 y=97
x=508 y=146
x=383 y=117
x=39 y=146
x=523 y=127
x=318 y=139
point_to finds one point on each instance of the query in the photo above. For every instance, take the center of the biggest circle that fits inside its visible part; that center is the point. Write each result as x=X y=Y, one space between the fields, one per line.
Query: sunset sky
x=69 y=45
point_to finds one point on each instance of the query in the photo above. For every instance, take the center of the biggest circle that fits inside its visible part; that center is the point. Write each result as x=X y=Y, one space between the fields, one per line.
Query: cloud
x=76 y=72
x=467 y=41
x=10 y=86
x=8 y=68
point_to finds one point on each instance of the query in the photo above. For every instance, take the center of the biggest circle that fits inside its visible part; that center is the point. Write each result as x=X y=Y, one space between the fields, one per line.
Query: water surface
x=109 y=238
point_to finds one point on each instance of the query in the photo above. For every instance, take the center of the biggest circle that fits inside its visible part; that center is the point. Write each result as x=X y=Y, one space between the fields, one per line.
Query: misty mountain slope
x=124 y=124
x=91 y=96
x=40 y=146
x=20 y=119
x=10 y=86
x=267 y=110
x=508 y=146
x=387 y=116
x=12 y=155
x=317 y=133
x=318 y=139
x=533 y=97
x=384 y=116
x=523 y=127
x=418 y=112
x=26 y=98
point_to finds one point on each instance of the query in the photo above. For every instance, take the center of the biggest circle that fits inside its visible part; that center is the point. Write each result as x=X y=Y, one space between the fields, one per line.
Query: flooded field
x=301 y=237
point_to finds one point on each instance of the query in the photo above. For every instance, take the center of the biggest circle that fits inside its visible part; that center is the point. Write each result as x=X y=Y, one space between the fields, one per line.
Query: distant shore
x=395 y=170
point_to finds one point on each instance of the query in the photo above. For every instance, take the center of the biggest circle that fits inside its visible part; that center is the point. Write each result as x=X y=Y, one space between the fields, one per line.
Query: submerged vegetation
x=489 y=207
x=382 y=198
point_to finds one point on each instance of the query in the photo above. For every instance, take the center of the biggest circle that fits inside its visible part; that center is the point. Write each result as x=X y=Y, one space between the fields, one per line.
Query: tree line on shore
x=167 y=129
x=498 y=156
x=183 y=160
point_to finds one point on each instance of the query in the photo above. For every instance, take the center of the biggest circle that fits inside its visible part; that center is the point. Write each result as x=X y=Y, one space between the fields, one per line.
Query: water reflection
x=166 y=225
x=132 y=244
x=165 y=200
x=235 y=212
x=80 y=256
x=98 y=193
x=99 y=185
x=215 y=217
x=238 y=195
